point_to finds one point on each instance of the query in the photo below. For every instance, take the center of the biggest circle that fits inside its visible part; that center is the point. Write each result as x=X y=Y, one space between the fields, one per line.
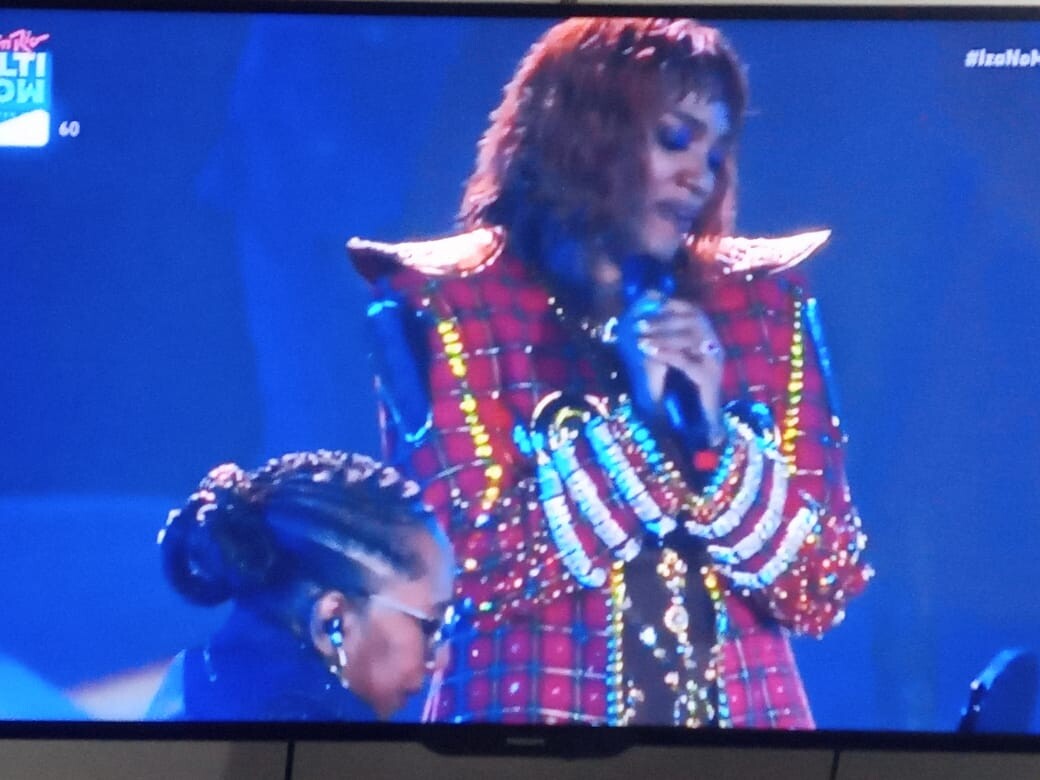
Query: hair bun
x=218 y=545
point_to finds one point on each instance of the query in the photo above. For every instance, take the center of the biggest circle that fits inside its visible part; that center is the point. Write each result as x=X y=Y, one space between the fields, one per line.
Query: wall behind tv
x=63 y=759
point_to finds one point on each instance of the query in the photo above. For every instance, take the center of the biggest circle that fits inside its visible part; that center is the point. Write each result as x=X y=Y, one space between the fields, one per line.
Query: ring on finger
x=710 y=348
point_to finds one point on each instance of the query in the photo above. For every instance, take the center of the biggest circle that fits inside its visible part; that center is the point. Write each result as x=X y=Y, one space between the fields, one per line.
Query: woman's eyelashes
x=679 y=136
x=675 y=136
x=717 y=155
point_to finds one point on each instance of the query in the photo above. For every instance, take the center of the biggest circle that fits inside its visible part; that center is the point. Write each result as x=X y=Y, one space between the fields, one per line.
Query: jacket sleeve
x=791 y=541
x=478 y=486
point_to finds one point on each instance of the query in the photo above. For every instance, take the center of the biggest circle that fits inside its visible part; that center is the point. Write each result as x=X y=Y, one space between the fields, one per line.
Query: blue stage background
x=175 y=294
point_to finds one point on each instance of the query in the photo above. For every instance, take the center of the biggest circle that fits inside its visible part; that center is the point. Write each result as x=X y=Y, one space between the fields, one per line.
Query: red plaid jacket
x=539 y=644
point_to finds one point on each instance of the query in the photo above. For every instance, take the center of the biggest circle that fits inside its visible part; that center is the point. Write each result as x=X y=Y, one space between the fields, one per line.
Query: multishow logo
x=25 y=89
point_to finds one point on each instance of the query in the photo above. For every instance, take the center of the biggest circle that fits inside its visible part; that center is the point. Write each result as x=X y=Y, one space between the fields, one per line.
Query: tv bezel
x=561 y=740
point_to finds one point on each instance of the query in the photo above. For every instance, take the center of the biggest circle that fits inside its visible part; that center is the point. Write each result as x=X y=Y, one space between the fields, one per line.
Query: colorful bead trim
x=795 y=385
x=800 y=527
x=764 y=529
x=451 y=340
x=615 y=648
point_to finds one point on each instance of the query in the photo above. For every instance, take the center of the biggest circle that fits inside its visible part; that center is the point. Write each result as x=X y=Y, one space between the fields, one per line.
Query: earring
x=334 y=628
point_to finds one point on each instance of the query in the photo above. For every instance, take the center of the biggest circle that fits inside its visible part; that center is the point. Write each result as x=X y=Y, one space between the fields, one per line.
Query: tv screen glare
x=422 y=367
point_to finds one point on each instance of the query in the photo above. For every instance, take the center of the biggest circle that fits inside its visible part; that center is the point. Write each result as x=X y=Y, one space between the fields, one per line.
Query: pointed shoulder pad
x=461 y=254
x=737 y=254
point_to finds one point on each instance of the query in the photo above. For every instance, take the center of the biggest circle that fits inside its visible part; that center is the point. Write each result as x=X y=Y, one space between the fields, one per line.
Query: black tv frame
x=564 y=740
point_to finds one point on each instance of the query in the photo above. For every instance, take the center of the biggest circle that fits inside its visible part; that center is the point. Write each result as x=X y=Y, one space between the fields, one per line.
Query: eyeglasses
x=437 y=630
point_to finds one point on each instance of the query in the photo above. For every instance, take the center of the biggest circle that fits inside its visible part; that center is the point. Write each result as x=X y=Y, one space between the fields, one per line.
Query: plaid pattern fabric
x=535 y=646
x=758 y=671
x=755 y=321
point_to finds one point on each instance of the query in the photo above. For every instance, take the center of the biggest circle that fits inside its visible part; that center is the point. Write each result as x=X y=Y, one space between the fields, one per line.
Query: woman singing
x=617 y=407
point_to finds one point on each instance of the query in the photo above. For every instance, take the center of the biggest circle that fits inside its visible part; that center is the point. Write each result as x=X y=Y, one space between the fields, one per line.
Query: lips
x=680 y=213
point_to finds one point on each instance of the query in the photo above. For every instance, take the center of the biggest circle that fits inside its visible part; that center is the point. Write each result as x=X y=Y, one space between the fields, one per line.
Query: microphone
x=680 y=401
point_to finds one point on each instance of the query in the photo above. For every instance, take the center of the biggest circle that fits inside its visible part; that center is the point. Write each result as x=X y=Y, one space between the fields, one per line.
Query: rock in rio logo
x=25 y=89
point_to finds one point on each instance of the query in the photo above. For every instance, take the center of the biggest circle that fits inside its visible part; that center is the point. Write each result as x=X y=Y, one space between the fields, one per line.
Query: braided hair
x=274 y=539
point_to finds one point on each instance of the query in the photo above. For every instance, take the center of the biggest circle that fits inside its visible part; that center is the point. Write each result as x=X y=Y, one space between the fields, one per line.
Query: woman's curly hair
x=567 y=145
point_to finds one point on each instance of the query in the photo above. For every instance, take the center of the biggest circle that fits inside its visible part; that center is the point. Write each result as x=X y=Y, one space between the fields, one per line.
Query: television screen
x=486 y=364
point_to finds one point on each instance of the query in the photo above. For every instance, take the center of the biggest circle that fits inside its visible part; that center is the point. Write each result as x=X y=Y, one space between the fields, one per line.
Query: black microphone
x=680 y=401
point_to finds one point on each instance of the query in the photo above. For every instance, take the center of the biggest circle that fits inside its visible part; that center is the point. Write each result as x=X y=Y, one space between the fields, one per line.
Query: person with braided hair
x=619 y=408
x=341 y=583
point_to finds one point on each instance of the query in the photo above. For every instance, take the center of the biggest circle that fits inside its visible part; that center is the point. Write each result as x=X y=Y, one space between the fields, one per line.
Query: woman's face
x=390 y=654
x=687 y=147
